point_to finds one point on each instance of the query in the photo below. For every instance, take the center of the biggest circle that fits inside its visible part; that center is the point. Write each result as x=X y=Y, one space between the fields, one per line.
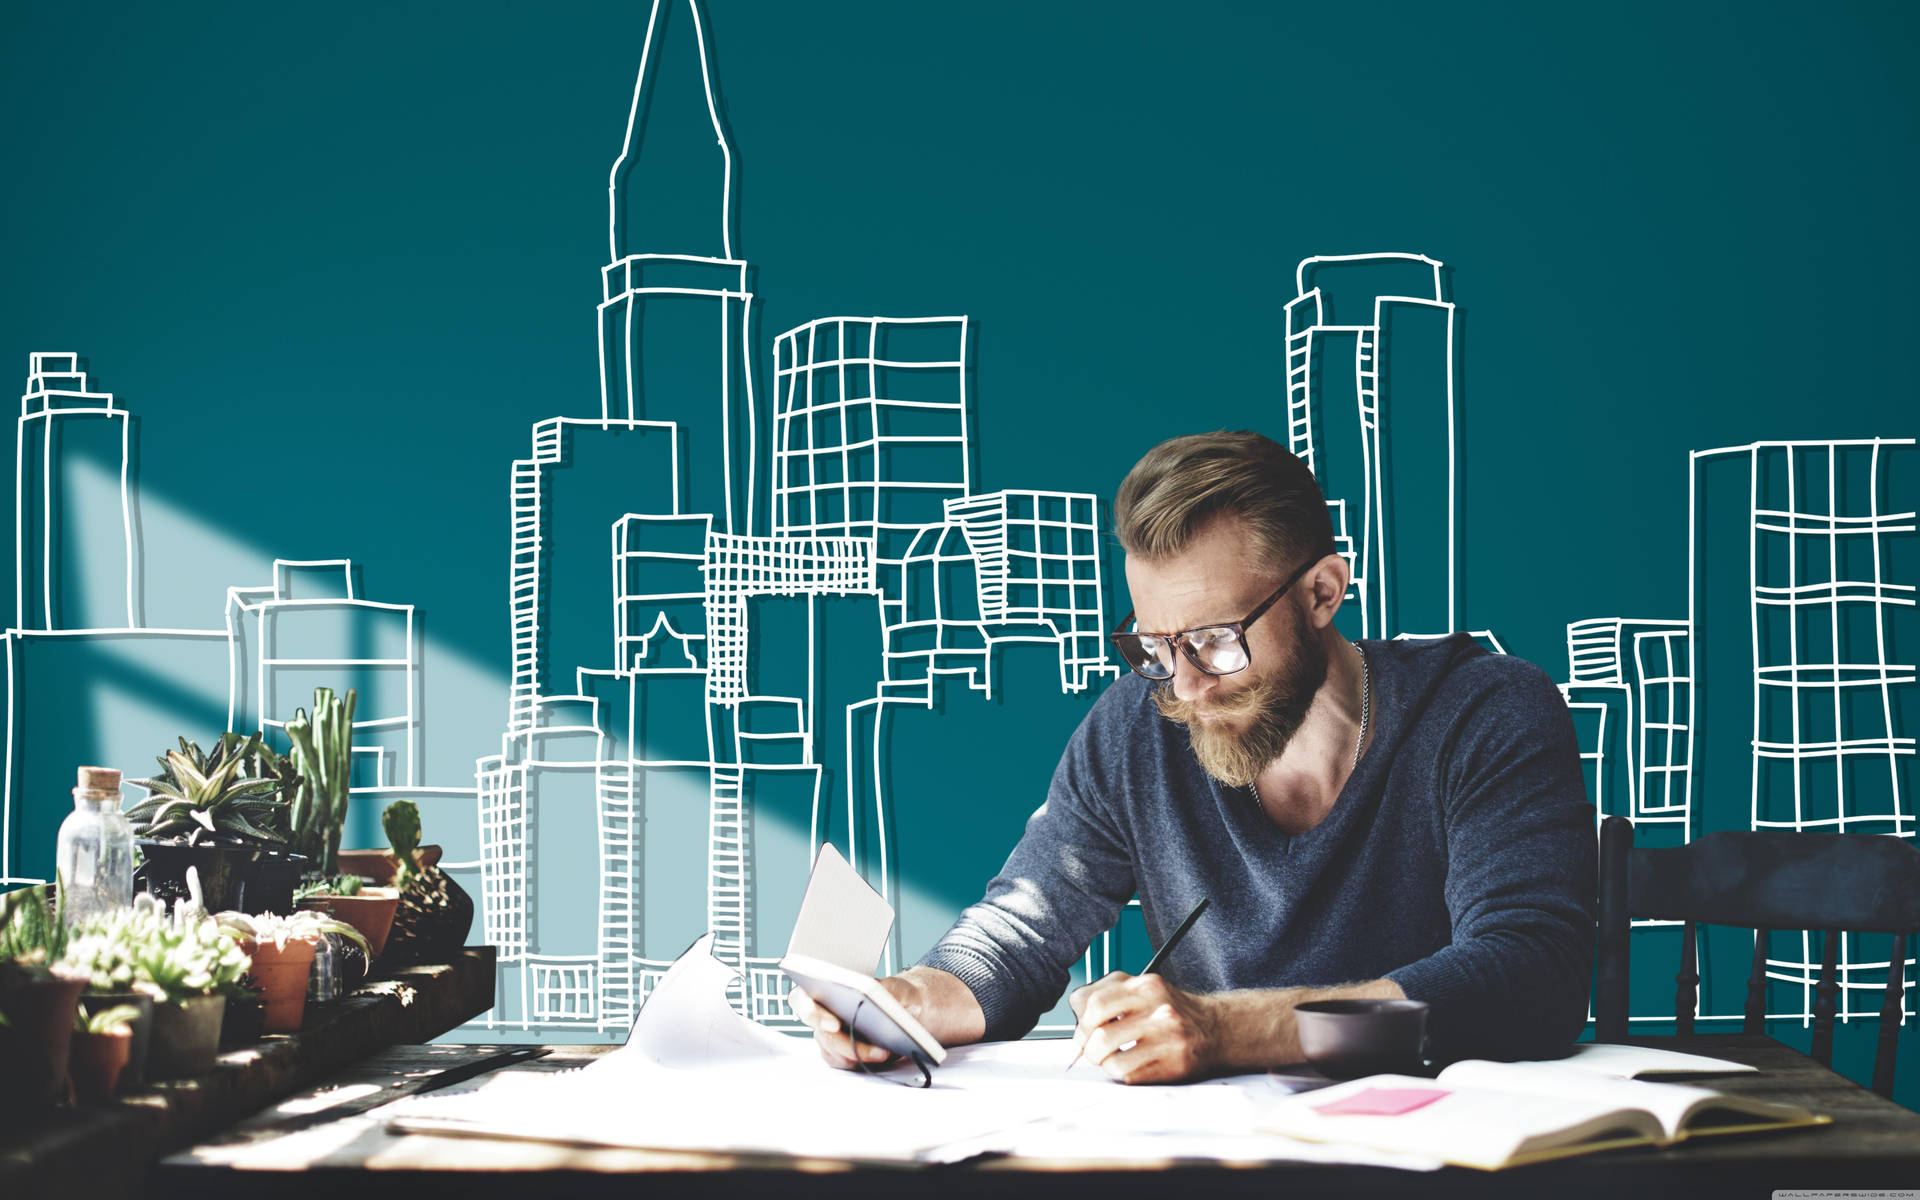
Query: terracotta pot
x=379 y=865
x=142 y=1027
x=186 y=1036
x=96 y=1063
x=37 y=1039
x=370 y=912
x=281 y=972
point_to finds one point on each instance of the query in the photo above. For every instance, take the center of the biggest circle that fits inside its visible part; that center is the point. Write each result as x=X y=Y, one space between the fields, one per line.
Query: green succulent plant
x=333 y=885
x=236 y=793
x=116 y=1020
x=106 y=951
x=33 y=927
x=185 y=953
x=303 y=926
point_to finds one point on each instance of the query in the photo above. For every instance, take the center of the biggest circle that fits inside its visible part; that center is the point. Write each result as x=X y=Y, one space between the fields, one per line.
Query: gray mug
x=1346 y=1039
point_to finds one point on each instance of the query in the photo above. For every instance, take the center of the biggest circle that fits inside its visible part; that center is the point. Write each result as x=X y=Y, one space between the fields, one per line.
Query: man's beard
x=1245 y=733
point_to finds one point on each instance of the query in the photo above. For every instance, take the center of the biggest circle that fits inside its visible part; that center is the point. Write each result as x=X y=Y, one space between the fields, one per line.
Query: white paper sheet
x=1632 y=1062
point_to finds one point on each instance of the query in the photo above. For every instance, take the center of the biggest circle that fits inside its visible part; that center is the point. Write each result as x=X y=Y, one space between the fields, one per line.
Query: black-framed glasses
x=1214 y=649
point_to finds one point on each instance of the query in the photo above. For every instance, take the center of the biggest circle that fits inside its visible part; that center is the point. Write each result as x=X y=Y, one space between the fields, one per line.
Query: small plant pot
x=281 y=972
x=186 y=1036
x=36 y=1040
x=380 y=865
x=370 y=912
x=97 y=1064
x=135 y=1072
x=246 y=879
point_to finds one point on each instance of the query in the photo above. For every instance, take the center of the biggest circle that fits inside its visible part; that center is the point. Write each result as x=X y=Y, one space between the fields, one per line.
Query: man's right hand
x=838 y=1049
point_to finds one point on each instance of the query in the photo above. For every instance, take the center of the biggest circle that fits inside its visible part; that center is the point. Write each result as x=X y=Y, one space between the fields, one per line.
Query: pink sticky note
x=1381 y=1102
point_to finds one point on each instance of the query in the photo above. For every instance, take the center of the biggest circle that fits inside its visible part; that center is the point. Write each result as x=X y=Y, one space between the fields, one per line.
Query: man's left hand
x=1142 y=1029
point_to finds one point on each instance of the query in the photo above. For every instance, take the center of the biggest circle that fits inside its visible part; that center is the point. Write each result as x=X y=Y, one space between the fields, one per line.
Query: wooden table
x=1872 y=1144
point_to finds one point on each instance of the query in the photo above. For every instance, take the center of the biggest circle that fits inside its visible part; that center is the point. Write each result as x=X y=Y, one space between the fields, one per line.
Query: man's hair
x=1185 y=482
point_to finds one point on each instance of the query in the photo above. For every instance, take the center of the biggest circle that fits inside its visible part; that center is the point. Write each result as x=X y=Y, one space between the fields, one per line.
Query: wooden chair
x=1762 y=880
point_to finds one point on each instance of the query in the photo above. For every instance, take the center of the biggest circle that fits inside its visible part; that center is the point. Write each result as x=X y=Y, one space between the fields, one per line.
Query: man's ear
x=1327 y=586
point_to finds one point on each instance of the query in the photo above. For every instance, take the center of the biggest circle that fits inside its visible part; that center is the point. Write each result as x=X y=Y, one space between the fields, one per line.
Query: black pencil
x=1166 y=948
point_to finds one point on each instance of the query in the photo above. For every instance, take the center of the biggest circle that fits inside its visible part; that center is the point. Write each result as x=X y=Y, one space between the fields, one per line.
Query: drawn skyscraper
x=1629 y=688
x=676 y=304
x=870 y=433
x=1802 y=603
x=1370 y=398
x=73 y=530
x=308 y=629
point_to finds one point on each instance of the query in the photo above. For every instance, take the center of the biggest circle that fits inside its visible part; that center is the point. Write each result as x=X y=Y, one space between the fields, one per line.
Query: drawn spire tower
x=675 y=301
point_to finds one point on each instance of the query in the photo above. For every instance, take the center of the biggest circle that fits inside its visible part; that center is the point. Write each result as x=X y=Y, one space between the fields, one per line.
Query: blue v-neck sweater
x=1458 y=861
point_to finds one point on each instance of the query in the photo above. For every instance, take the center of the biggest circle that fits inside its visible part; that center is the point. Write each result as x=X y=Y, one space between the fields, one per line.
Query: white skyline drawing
x=872 y=520
x=1821 y=601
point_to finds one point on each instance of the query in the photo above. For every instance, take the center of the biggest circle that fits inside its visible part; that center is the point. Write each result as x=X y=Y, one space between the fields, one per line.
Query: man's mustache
x=1244 y=703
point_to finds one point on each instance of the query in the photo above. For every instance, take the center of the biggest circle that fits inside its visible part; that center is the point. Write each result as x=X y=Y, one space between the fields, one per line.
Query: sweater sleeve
x=1063 y=885
x=1521 y=867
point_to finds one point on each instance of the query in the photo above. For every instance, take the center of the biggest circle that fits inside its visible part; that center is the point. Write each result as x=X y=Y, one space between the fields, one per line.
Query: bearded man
x=1372 y=819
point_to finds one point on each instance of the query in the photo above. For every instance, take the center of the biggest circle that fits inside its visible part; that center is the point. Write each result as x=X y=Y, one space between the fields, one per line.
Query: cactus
x=401 y=820
x=323 y=754
x=434 y=913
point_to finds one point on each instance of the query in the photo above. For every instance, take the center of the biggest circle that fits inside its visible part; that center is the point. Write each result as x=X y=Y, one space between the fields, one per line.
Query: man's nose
x=1189 y=682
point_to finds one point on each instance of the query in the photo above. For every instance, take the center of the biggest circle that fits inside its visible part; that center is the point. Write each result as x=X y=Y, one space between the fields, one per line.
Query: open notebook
x=1492 y=1115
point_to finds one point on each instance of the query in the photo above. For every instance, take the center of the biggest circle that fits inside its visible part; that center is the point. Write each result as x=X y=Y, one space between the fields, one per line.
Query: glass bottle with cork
x=95 y=849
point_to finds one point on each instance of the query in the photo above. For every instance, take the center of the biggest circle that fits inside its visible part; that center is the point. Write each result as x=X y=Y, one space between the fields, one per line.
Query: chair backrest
x=1830 y=883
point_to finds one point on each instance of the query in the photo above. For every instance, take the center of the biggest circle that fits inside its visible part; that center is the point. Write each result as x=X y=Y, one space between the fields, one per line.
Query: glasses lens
x=1149 y=656
x=1220 y=650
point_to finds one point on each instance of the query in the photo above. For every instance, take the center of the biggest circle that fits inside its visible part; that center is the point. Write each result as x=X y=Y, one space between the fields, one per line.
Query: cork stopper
x=99 y=779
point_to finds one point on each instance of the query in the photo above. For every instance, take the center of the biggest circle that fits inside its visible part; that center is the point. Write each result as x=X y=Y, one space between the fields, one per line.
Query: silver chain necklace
x=1366 y=704
x=1366 y=712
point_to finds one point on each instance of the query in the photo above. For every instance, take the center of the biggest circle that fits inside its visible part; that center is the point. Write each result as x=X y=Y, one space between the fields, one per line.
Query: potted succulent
x=366 y=907
x=435 y=913
x=104 y=951
x=338 y=964
x=223 y=814
x=102 y=1042
x=196 y=965
x=37 y=1002
x=283 y=949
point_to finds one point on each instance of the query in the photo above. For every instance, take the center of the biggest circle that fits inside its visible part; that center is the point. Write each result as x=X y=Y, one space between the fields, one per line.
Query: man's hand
x=837 y=1047
x=1158 y=1033
x=1142 y=1029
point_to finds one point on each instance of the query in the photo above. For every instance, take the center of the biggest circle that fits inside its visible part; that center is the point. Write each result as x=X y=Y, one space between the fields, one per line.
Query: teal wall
x=337 y=262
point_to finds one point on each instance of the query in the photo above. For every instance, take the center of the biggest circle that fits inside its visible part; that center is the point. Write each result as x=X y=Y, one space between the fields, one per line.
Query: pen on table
x=1159 y=956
